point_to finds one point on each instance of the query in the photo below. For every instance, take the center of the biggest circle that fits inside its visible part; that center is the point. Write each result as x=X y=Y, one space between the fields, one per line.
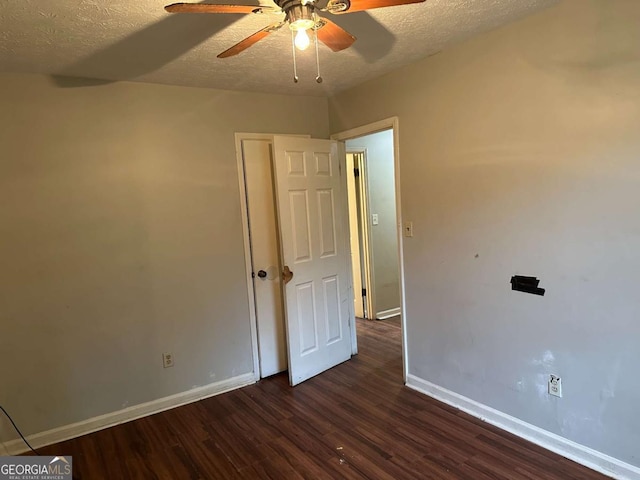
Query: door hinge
x=356 y=172
x=364 y=292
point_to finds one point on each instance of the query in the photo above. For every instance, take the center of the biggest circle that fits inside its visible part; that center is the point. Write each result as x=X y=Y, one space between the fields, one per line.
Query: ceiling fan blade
x=210 y=8
x=333 y=36
x=250 y=40
x=360 y=5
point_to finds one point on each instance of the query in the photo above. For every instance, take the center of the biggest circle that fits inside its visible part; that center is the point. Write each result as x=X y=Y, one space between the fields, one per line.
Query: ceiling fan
x=302 y=17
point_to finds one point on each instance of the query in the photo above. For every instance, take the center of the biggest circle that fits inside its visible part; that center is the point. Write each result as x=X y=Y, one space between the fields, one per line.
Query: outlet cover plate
x=167 y=360
x=555 y=386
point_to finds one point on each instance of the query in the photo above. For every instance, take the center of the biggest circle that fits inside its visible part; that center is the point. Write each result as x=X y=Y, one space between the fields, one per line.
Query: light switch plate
x=408 y=229
x=374 y=219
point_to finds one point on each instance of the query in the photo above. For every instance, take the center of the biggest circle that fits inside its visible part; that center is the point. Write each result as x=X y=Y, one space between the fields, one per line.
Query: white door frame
x=246 y=236
x=386 y=124
x=354 y=236
x=365 y=231
x=244 y=212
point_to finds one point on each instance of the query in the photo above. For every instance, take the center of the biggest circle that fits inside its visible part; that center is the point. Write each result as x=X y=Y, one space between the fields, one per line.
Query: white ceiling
x=138 y=40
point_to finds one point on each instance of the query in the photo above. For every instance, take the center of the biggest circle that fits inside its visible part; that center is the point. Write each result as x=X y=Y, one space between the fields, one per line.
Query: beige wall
x=382 y=201
x=520 y=154
x=120 y=239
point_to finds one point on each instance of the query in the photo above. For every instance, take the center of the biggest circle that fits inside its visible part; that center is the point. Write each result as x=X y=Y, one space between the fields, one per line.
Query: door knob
x=262 y=274
x=287 y=274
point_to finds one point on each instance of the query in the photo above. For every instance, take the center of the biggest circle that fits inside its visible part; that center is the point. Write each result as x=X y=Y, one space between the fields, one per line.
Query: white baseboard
x=392 y=312
x=574 y=451
x=60 y=434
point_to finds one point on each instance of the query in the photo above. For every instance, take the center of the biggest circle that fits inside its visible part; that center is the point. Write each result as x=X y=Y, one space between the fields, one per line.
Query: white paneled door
x=311 y=203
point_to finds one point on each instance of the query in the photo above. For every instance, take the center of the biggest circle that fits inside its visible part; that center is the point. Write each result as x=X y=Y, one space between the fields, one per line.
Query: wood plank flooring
x=356 y=421
x=393 y=320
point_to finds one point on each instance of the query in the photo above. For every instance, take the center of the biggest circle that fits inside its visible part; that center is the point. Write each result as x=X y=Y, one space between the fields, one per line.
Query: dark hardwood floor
x=355 y=421
x=393 y=320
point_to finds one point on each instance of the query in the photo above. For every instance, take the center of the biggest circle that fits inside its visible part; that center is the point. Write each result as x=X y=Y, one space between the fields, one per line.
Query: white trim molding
x=60 y=434
x=586 y=456
x=392 y=312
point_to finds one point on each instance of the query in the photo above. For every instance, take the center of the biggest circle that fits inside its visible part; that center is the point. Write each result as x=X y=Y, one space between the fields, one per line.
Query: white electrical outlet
x=374 y=219
x=167 y=360
x=555 y=386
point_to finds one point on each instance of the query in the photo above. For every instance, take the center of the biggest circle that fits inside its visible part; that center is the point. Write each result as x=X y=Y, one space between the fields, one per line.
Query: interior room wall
x=121 y=239
x=382 y=201
x=519 y=154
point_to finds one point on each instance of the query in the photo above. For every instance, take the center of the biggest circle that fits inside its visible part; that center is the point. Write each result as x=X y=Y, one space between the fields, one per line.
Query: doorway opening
x=373 y=226
x=297 y=256
x=375 y=223
x=305 y=189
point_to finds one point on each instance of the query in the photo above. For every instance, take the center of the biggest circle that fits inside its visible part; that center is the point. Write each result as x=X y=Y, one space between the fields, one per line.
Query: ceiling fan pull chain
x=315 y=38
x=295 y=67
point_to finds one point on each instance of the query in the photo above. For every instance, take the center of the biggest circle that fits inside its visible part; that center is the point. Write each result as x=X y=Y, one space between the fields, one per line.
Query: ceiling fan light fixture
x=338 y=6
x=301 y=17
x=302 y=41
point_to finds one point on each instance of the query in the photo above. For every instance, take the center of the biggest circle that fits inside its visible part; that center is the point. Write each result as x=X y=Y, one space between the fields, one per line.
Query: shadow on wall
x=593 y=66
x=603 y=41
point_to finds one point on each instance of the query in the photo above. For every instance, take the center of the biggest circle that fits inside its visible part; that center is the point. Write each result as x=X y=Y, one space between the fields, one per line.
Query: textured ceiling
x=137 y=40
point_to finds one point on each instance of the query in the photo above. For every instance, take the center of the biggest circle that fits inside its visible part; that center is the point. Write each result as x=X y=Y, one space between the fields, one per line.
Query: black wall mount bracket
x=525 y=284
